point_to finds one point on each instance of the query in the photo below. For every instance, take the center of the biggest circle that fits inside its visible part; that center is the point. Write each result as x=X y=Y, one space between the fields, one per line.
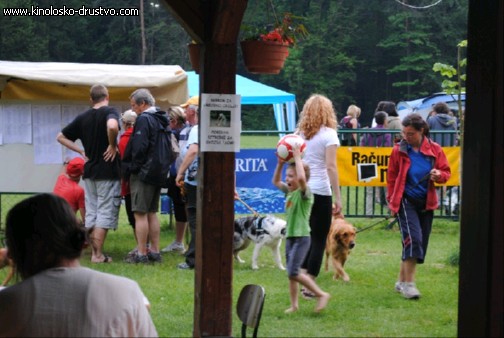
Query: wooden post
x=481 y=238
x=213 y=308
x=215 y=212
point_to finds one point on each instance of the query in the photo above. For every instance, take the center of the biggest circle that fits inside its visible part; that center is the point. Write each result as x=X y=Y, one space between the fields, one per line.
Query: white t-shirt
x=182 y=142
x=74 y=302
x=315 y=158
x=193 y=138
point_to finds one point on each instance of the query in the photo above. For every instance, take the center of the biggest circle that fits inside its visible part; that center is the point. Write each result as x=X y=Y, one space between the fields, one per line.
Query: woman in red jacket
x=416 y=163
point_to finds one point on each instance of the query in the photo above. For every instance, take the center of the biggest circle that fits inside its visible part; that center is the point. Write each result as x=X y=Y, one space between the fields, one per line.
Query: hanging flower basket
x=264 y=57
x=194 y=56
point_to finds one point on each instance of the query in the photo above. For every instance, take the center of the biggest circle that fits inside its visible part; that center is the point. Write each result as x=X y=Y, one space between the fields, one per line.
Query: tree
x=456 y=86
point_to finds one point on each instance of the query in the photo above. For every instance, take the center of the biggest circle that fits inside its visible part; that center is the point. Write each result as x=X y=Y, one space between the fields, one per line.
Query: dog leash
x=374 y=224
x=248 y=207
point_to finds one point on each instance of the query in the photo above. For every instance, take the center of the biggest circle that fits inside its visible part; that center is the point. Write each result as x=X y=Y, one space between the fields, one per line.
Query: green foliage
x=448 y=71
x=358 y=52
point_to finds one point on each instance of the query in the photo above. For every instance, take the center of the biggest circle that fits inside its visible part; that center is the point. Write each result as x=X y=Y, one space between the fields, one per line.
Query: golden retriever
x=6 y=261
x=340 y=240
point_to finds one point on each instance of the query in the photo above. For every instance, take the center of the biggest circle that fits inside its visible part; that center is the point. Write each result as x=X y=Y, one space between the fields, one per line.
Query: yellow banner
x=367 y=166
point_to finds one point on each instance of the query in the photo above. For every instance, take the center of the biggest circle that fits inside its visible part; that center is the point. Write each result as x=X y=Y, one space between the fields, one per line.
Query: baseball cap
x=129 y=116
x=192 y=101
x=75 y=167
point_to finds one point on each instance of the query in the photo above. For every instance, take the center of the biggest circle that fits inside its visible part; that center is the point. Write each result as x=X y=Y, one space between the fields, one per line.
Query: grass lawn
x=366 y=306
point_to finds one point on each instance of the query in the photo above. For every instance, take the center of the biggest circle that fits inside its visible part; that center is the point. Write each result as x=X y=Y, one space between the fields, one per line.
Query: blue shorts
x=296 y=249
x=415 y=224
x=103 y=200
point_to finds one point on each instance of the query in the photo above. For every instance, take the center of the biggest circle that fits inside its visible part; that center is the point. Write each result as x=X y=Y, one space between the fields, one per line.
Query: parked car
x=424 y=105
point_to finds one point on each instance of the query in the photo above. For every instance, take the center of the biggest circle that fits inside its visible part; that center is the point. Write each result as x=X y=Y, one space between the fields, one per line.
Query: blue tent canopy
x=252 y=92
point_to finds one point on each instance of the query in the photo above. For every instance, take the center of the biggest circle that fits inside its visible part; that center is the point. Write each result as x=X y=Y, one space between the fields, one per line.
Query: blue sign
x=254 y=171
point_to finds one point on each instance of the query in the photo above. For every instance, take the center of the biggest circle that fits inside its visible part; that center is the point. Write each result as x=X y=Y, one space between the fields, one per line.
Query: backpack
x=345 y=124
x=163 y=155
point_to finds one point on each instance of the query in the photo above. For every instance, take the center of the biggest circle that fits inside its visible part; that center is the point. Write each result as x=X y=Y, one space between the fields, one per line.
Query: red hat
x=75 y=167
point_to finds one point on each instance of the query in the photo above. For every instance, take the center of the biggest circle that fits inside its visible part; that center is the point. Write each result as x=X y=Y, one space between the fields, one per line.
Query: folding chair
x=249 y=307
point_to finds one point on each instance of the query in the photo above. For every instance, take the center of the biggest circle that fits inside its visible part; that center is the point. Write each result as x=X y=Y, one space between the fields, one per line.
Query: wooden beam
x=229 y=14
x=189 y=15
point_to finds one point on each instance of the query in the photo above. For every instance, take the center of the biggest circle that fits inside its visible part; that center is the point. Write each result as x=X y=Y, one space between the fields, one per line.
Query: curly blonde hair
x=317 y=111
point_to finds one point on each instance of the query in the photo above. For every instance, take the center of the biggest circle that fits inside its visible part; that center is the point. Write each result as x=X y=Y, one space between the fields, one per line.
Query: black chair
x=250 y=306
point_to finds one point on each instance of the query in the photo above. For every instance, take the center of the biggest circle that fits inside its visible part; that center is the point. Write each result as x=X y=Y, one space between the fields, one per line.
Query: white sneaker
x=398 y=286
x=409 y=291
x=174 y=247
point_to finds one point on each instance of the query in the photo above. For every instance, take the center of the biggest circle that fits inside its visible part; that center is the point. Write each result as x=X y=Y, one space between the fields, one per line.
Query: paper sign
x=220 y=122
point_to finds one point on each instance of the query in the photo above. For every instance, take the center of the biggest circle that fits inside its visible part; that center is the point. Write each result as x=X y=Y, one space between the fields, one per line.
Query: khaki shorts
x=103 y=200
x=144 y=197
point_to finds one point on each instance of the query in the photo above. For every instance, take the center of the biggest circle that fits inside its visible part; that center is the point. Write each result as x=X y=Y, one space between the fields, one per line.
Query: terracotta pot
x=264 y=57
x=194 y=56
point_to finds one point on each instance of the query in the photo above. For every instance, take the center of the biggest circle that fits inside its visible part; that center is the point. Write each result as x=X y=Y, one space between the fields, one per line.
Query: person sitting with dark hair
x=377 y=140
x=57 y=297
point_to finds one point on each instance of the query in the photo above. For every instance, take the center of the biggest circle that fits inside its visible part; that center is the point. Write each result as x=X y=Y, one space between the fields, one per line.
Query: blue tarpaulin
x=253 y=92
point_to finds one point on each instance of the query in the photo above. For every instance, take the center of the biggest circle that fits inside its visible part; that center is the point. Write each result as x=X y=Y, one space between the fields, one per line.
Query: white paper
x=70 y=112
x=220 y=123
x=46 y=121
x=16 y=123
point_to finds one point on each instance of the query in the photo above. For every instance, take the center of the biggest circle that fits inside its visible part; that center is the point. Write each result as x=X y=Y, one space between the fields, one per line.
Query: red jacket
x=123 y=142
x=399 y=164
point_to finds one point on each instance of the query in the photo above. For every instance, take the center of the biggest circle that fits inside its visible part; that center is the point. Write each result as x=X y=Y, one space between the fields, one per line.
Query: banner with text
x=357 y=166
x=254 y=170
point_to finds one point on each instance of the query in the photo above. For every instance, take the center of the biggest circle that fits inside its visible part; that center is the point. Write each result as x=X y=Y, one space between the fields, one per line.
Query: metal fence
x=370 y=201
x=357 y=201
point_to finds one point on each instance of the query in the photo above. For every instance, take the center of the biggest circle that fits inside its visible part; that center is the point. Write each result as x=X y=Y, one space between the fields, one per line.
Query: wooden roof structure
x=215 y=24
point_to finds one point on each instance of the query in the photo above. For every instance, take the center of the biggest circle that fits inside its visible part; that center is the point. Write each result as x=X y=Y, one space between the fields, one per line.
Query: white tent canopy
x=253 y=92
x=60 y=81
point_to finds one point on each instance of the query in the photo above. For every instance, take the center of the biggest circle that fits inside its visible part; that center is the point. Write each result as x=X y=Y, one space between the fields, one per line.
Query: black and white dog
x=262 y=230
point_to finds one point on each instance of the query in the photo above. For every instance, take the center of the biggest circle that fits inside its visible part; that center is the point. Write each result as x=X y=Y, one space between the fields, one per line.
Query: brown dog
x=6 y=261
x=340 y=240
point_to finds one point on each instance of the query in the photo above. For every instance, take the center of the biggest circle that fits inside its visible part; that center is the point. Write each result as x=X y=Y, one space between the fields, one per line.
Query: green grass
x=366 y=306
x=258 y=142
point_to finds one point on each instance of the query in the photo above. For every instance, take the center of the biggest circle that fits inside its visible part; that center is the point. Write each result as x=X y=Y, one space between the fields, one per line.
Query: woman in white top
x=57 y=297
x=317 y=126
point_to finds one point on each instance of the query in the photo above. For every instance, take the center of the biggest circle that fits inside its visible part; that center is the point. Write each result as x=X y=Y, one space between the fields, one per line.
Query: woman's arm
x=355 y=125
x=441 y=171
x=191 y=154
x=332 y=172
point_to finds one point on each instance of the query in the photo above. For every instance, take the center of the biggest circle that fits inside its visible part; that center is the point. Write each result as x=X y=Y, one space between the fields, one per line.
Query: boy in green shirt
x=298 y=207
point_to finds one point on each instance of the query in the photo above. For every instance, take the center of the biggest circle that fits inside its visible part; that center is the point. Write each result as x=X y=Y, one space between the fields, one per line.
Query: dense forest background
x=358 y=51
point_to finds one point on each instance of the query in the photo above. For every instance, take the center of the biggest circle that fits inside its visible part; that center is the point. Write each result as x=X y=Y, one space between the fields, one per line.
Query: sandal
x=106 y=259
x=307 y=294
